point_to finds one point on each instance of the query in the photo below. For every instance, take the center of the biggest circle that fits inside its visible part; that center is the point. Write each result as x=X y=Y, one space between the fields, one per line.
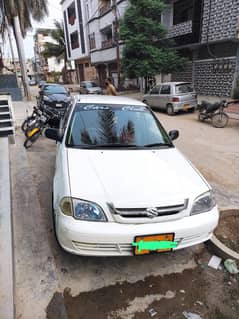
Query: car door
x=152 y=98
x=164 y=96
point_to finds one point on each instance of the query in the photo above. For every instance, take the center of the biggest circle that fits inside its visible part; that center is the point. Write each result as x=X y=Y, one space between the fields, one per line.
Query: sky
x=55 y=13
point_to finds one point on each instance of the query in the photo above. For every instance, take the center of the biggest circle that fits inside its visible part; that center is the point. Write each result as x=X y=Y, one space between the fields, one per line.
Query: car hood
x=133 y=178
x=58 y=97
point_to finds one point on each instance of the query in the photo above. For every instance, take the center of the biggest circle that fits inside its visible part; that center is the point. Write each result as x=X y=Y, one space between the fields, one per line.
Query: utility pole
x=114 y=9
x=21 y=55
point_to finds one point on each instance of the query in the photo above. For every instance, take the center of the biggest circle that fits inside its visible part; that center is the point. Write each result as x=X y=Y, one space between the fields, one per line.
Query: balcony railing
x=105 y=7
x=107 y=44
x=180 y=29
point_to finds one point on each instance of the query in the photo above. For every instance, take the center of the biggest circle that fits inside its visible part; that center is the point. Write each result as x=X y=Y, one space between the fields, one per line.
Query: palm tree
x=25 y=10
x=19 y=14
x=58 y=48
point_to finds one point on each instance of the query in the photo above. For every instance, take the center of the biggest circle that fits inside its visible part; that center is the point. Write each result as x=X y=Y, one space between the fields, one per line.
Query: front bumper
x=114 y=239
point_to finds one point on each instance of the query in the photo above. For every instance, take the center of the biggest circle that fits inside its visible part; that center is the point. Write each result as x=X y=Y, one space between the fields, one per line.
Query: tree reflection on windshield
x=99 y=125
x=106 y=132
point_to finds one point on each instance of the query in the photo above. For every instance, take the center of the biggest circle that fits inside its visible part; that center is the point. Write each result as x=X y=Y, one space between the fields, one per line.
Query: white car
x=120 y=185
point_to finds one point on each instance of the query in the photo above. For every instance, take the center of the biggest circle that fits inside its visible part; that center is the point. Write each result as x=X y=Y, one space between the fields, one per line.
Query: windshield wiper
x=109 y=145
x=113 y=145
x=158 y=145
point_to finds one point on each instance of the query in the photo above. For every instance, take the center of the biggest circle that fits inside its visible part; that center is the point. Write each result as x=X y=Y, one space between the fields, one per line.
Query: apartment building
x=76 y=14
x=206 y=31
x=44 y=66
x=90 y=30
x=105 y=48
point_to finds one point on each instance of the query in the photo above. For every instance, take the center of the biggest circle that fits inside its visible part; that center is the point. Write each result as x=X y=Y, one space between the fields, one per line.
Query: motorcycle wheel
x=201 y=117
x=220 y=120
x=27 y=123
x=30 y=140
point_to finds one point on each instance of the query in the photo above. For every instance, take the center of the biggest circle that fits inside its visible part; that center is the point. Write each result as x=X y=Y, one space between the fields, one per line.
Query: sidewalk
x=6 y=242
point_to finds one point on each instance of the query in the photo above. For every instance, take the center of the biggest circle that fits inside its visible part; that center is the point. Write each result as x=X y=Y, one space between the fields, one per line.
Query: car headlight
x=203 y=203
x=82 y=210
x=46 y=98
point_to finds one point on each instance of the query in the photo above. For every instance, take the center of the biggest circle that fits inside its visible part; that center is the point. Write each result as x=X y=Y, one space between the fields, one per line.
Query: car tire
x=170 y=110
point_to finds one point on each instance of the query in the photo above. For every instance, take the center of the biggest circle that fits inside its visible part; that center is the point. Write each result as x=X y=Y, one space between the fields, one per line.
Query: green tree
x=146 y=51
x=26 y=10
x=19 y=14
x=58 y=48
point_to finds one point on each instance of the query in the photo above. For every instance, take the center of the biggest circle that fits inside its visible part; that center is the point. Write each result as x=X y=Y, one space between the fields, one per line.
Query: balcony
x=107 y=44
x=180 y=29
x=106 y=55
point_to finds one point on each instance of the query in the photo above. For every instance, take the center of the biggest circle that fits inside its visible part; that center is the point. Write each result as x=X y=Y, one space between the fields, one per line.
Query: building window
x=92 y=41
x=71 y=13
x=107 y=39
x=182 y=11
x=74 y=40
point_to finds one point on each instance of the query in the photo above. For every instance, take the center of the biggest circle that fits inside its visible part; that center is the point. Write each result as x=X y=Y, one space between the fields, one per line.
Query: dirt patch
x=227 y=231
x=203 y=290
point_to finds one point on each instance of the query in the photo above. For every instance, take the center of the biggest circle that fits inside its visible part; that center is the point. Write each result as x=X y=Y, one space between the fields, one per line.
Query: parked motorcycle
x=214 y=112
x=41 y=117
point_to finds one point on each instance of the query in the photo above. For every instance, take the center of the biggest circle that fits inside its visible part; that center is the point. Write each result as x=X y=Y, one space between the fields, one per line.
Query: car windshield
x=91 y=85
x=100 y=125
x=54 y=89
x=183 y=88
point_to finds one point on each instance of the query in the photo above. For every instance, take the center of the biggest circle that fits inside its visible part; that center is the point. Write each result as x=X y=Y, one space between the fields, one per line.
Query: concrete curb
x=217 y=246
x=6 y=242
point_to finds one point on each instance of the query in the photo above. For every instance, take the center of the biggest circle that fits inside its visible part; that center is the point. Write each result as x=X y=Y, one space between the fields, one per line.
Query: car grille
x=150 y=212
x=110 y=248
x=57 y=104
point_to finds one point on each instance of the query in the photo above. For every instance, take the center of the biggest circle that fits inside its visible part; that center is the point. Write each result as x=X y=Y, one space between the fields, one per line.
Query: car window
x=165 y=89
x=155 y=90
x=91 y=85
x=54 y=89
x=83 y=85
x=97 y=124
x=183 y=88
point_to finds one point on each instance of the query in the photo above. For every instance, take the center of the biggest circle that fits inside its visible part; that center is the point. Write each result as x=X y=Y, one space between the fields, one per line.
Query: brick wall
x=184 y=76
x=223 y=19
x=214 y=77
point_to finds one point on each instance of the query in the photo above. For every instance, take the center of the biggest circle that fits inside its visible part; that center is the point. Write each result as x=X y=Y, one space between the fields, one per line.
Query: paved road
x=42 y=269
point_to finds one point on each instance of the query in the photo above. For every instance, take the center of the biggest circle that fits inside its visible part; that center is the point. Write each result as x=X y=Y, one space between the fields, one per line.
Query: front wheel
x=30 y=140
x=27 y=123
x=220 y=120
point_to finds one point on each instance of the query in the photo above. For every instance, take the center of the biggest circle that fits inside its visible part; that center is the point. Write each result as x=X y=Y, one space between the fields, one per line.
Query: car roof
x=107 y=99
x=52 y=84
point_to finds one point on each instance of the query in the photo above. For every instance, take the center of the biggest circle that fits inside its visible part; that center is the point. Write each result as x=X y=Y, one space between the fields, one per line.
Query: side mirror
x=53 y=134
x=173 y=135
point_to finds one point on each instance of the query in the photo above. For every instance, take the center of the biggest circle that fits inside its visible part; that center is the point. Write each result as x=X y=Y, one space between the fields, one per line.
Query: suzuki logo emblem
x=152 y=212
